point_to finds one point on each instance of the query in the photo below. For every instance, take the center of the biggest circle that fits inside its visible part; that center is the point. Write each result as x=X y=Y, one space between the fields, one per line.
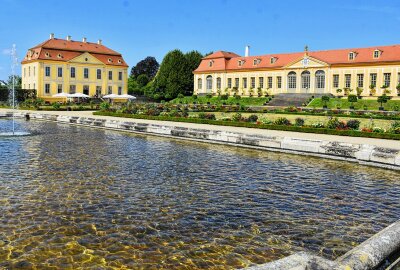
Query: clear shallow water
x=75 y=197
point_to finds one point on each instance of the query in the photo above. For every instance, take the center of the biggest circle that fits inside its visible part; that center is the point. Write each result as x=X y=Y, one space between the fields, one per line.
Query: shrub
x=353 y=124
x=105 y=106
x=282 y=121
x=378 y=130
x=56 y=105
x=299 y=122
x=209 y=116
x=395 y=127
x=180 y=95
x=325 y=100
x=352 y=99
x=252 y=118
x=238 y=97
x=237 y=117
x=291 y=109
x=224 y=97
x=318 y=125
x=383 y=99
x=334 y=123
x=209 y=95
x=194 y=96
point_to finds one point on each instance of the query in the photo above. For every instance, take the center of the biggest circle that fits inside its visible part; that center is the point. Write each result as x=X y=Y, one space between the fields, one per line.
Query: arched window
x=292 y=80
x=320 y=79
x=218 y=83
x=305 y=79
x=200 y=83
x=209 y=82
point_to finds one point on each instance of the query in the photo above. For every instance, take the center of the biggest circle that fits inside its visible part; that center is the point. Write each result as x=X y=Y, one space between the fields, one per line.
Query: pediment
x=307 y=62
x=85 y=58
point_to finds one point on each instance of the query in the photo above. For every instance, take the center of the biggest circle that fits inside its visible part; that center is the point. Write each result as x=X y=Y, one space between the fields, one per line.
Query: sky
x=138 y=29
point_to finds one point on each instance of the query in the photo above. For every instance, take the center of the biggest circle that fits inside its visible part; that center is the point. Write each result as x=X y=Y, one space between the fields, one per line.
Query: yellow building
x=68 y=66
x=371 y=71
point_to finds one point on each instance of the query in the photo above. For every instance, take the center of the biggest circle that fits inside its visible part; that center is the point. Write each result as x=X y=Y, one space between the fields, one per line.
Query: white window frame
x=347 y=81
x=360 y=80
x=292 y=80
x=372 y=79
x=386 y=79
x=335 y=80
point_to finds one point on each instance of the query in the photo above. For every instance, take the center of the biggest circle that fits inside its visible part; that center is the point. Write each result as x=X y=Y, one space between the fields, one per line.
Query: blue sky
x=152 y=28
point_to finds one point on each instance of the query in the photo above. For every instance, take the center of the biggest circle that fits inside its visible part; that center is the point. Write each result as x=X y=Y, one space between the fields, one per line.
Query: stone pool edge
x=368 y=255
x=371 y=254
x=364 y=154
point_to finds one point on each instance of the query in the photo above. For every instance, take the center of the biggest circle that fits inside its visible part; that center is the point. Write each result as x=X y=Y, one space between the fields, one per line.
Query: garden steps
x=289 y=99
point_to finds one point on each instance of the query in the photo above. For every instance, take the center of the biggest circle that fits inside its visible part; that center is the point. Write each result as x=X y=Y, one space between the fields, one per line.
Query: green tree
x=382 y=99
x=133 y=86
x=142 y=80
x=175 y=75
x=193 y=59
x=148 y=66
x=352 y=99
x=17 y=81
x=325 y=100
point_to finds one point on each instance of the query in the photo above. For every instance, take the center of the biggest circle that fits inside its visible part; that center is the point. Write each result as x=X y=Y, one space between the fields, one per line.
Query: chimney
x=247 y=50
x=99 y=41
x=52 y=36
x=69 y=38
x=84 y=40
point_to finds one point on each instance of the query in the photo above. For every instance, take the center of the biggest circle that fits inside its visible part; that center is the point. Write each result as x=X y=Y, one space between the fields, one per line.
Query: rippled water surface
x=74 y=197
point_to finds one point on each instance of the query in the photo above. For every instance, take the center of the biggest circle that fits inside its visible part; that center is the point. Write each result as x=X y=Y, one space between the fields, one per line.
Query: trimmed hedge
x=351 y=133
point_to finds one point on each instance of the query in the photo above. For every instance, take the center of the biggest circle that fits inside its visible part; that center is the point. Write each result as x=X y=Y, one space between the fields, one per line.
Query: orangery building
x=364 y=71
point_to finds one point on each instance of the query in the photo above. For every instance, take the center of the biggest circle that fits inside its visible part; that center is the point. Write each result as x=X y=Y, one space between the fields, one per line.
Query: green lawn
x=247 y=101
x=309 y=119
x=371 y=104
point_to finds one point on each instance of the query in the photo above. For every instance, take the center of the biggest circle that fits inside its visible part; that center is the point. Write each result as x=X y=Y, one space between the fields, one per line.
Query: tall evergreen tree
x=176 y=74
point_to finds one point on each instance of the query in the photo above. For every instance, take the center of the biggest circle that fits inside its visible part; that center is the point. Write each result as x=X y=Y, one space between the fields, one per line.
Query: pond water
x=74 y=197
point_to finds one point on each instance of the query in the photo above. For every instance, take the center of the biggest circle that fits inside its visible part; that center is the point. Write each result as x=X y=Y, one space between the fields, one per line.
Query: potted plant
x=325 y=100
x=259 y=91
x=266 y=94
x=382 y=99
x=339 y=92
x=235 y=91
x=398 y=89
x=372 y=90
x=352 y=99
x=359 y=91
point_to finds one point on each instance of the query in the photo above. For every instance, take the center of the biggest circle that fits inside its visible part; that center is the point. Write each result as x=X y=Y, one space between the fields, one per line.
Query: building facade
x=368 y=71
x=68 y=66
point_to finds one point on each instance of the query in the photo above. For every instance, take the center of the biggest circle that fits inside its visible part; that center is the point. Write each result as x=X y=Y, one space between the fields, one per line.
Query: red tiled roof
x=68 y=49
x=221 y=54
x=227 y=61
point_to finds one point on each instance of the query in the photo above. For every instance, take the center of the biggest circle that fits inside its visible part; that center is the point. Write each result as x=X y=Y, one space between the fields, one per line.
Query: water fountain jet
x=12 y=94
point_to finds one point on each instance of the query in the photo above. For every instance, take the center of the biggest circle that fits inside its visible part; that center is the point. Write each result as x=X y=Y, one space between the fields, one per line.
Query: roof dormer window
x=352 y=55
x=59 y=55
x=47 y=54
x=256 y=61
x=377 y=53
x=119 y=61
x=272 y=60
x=240 y=63
x=210 y=64
x=109 y=60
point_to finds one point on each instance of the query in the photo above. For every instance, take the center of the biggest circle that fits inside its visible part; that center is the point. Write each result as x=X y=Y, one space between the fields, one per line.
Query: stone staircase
x=286 y=100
